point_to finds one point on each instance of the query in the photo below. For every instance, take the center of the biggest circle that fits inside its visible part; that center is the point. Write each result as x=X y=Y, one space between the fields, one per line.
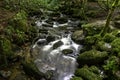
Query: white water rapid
x=48 y=58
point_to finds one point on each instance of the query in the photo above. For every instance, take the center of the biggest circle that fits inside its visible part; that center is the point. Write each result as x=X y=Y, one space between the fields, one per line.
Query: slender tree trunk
x=111 y=11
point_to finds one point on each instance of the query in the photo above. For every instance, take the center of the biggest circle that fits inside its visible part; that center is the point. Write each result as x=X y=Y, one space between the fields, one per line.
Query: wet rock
x=31 y=70
x=87 y=74
x=76 y=78
x=92 y=57
x=67 y=51
x=50 y=38
x=116 y=45
x=78 y=36
x=91 y=29
x=57 y=44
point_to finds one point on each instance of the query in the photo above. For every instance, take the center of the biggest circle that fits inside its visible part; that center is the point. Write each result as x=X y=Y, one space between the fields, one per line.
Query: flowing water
x=49 y=57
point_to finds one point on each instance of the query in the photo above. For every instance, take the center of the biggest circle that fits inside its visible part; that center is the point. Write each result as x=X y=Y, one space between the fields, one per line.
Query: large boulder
x=92 y=57
x=103 y=46
x=94 y=28
x=85 y=73
x=78 y=36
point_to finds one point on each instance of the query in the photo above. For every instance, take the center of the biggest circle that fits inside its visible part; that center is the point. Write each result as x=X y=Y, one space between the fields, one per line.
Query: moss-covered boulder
x=112 y=64
x=91 y=29
x=76 y=78
x=91 y=40
x=19 y=21
x=109 y=37
x=92 y=57
x=111 y=68
x=116 y=45
x=78 y=36
x=103 y=46
x=86 y=74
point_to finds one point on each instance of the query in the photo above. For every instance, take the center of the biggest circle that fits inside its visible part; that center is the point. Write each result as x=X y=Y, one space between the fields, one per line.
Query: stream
x=59 y=54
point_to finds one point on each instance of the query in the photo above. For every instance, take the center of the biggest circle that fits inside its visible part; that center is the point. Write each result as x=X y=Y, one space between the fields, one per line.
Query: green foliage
x=33 y=5
x=105 y=4
x=5 y=50
x=19 y=37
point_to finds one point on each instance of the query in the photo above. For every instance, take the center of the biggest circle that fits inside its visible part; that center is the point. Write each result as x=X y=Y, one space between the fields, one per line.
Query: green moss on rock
x=92 y=57
x=76 y=78
x=109 y=37
x=57 y=44
x=91 y=40
x=103 y=46
x=86 y=74
x=91 y=29
x=116 y=45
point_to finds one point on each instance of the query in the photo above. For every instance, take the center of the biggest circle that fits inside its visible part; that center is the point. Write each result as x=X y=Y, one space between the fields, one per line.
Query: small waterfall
x=48 y=58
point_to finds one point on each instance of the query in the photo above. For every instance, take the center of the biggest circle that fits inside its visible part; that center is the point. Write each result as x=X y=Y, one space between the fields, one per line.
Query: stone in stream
x=67 y=51
x=57 y=44
x=50 y=38
x=78 y=36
